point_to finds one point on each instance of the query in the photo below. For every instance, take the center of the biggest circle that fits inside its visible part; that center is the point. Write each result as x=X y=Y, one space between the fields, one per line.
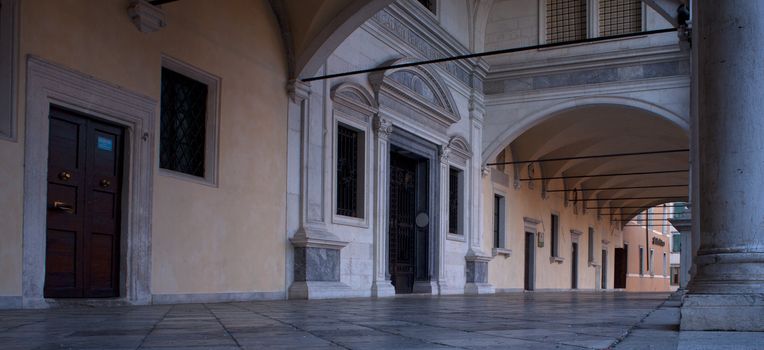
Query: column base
x=723 y=312
x=479 y=288
x=382 y=289
x=322 y=290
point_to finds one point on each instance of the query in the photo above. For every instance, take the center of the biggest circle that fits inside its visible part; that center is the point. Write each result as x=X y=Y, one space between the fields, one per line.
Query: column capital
x=298 y=90
x=445 y=151
x=383 y=127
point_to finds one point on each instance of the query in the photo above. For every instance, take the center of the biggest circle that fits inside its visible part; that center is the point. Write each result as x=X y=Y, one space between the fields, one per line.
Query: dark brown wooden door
x=619 y=280
x=402 y=245
x=83 y=221
x=574 y=267
x=530 y=261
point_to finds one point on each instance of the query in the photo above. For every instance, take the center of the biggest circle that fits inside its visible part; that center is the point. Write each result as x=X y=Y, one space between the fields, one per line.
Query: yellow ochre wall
x=507 y=274
x=205 y=239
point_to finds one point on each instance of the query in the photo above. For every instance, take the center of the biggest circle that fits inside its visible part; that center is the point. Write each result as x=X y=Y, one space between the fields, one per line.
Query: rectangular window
x=8 y=67
x=350 y=181
x=676 y=242
x=650 y=261
x=554 y=238
x=641 y=261
x=675 y=275
x=498 y=221
x=591 y=244
x=183 y=124
x=565 y=20
x=454 y=200
x=620 y=17
x=665 y=267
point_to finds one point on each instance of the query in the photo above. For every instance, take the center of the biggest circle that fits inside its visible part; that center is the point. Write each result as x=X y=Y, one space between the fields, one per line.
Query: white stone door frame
x=51 y=84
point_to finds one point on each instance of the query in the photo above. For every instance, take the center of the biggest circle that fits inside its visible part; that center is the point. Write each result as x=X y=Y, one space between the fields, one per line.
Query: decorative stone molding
x=445 y=152
x=146 y=17
x=417 y=92
x=531 y=224
x=485 y=171
x=501 y=251
x=317 y=266
x=354 y=99
x=575 y=235
x=383 y=127
x=298 y=90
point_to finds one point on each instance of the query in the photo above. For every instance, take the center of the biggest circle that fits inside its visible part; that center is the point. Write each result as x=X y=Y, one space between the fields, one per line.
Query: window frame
x=641 y=260
x=9 y=44
x=500 y=208
x=359 y=125
x=592 y=19
x=590 y=245
x=212 y=122
x=554 y=238
x=651 y=262
x=460 y=192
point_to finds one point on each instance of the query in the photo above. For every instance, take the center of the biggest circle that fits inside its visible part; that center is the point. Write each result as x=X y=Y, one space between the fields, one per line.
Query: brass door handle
x=65 y=207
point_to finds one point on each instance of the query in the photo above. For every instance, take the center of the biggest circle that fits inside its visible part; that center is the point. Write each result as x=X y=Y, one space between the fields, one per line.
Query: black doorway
x=604 y=269
x=621 y=258
x=408 y=241
x=530 y=261
x=574 y=267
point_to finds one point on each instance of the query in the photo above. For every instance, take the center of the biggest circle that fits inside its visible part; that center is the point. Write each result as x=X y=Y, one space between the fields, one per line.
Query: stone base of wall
x=479 y=288
x=323 y=290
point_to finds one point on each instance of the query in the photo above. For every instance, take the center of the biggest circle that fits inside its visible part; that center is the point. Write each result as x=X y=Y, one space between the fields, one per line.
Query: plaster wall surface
x=507 y=273
x=227 y=238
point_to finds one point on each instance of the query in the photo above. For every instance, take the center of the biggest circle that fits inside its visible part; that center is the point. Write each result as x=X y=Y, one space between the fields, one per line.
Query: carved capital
x=444 y=153
x=146 y=17
x=382 y=127
x=298 y=90
x=485 y=171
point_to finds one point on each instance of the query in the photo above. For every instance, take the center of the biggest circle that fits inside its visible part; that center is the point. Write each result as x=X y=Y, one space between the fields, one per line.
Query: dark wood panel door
x=530 y=261
x=619 y=278
x=83 y=220
x=402 y=226
x=574 y=267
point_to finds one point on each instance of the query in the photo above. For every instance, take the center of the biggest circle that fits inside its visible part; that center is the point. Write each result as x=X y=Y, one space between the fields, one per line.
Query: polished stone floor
x=553 y=320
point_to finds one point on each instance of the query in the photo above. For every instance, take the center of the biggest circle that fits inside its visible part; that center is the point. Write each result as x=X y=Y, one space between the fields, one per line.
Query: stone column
x=476 y=259
x=727 y=290
x=316 y=255
x=684 y=226
x=381 y=286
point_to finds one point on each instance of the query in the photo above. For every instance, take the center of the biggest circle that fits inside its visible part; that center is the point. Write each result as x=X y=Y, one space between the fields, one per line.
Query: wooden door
x=619 y=278
x=604 y=269
x=402 y=235
x=530 y=260
x=83 y=220
x=574 y=267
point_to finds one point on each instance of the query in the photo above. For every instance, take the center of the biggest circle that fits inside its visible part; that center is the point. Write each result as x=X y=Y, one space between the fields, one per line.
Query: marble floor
x=552 y=320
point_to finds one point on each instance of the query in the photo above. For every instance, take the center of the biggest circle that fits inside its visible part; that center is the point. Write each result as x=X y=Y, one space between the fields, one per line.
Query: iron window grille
x=183 y=123
x=565 y=20
x=453 y=201
x=348 y=172
x=620 y=17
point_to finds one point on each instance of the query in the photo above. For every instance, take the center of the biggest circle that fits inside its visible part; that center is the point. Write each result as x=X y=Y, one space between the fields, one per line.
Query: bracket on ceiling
x=146 y=17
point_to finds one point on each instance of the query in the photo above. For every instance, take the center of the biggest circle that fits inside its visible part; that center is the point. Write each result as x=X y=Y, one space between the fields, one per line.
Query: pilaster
x=381 y=286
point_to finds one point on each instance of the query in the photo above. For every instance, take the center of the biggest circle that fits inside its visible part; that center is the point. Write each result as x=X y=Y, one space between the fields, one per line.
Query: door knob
x=64 y=176
x=65 y=207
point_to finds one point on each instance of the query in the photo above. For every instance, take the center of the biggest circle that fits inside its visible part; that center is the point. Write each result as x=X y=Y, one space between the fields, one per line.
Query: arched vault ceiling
x=608 y=129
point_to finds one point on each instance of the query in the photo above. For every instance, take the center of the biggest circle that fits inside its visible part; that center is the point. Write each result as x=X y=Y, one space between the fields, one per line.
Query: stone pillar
x=316 y=255
x=381 y=286
x=684 y=225
x=727 y=290
x=440 y=262
x=476 y=259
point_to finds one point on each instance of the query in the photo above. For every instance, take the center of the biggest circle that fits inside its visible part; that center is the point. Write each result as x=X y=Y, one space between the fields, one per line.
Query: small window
x=620 y=17
x=591 y=244
x=676 y=243
x=350 y=173
x=554 y=238
x=674 y=275
x=665 y=267
x=498 y=221
x=8 y=67
x=641 y=261
x=454 y=201
x=183 y=124
x=650 y=265
x=565 y=20
x=430 y=5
